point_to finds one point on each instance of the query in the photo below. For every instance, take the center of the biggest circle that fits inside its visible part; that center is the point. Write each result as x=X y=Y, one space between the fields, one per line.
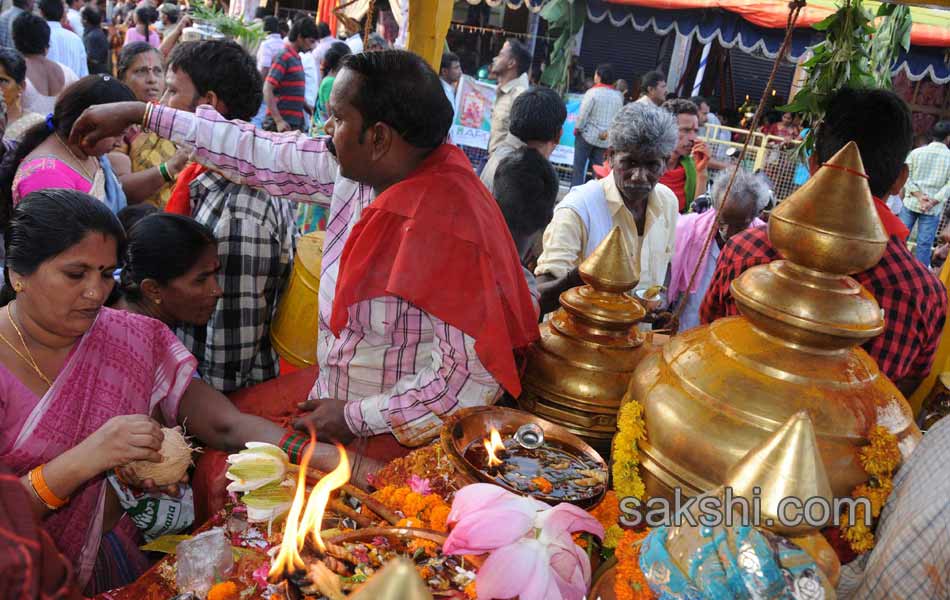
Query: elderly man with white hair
x=641 y=139
x=748 y=197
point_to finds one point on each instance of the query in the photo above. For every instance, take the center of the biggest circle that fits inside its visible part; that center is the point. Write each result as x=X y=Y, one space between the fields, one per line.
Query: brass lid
x=787 y=464
x=608 y=267
x=603 y=303
x=830 y=223
x=827 y=229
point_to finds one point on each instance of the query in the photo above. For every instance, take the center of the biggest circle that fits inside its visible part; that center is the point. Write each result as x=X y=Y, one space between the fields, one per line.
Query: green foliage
x=565 y=18
x=851 y=55
x=246 y=35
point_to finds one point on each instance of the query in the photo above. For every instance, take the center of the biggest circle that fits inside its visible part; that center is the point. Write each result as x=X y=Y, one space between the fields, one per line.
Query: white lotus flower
x=260 y=464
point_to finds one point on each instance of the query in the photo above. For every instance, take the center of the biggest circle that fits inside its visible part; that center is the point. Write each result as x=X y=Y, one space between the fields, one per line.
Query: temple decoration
x=699 y=560
x=578 y=372
x=715 y=392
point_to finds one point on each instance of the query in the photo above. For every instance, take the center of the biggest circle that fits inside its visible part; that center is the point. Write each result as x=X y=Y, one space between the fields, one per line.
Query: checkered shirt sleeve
x=743 y=251
x=913 y=299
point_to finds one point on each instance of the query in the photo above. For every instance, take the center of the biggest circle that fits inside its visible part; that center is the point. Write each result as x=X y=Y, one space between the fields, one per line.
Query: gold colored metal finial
x=830 y=224
x=398 y=580
x=608 y=267
x=787 y=464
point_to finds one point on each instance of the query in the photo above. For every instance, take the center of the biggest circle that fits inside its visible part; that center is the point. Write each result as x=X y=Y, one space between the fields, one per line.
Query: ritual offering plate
x=365 y=551
x=524 y=454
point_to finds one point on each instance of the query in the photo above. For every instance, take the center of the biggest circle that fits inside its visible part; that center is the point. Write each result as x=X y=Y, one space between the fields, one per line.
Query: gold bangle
x=42 y=491
x=146 y=116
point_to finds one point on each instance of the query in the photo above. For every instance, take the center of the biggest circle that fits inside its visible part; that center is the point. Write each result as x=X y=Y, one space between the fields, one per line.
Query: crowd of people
x=150 y=220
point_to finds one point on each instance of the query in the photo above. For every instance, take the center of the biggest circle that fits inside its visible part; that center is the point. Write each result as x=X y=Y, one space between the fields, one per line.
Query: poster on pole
x=473 y=103
x=472 y=125
x=564 y=152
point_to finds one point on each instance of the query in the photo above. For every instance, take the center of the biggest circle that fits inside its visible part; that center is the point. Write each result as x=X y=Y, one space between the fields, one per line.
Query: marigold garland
x=630 y=583
x=626 y=457
x=429 y=511
x=607 y=513
x=880 y=458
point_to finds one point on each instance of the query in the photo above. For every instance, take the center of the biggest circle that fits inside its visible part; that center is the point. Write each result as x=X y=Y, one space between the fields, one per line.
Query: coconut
x=176 y=458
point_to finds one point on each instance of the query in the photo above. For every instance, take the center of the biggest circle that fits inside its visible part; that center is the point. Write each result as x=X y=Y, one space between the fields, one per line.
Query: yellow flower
x=612 y=536
x=630 y=430
x=880 y=458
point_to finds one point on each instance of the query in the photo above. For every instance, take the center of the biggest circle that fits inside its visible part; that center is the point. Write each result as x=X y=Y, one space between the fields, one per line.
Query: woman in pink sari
x=84 y=389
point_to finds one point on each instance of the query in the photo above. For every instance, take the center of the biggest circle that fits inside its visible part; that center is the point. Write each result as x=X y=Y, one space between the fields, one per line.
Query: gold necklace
x=28 y=360
x=79 y=161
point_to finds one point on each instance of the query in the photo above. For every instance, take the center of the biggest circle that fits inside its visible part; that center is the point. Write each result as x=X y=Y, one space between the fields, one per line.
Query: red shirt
x=913 y=300
x=675 y=179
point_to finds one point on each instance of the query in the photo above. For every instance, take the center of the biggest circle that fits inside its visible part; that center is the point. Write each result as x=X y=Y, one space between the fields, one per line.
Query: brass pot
x=473 y=424
x=714 y=392
x=578 y=372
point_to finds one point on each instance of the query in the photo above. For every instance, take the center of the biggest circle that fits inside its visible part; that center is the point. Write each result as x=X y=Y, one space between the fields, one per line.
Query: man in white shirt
x=73 y=16
x=641 y=140
x=65 y=47
x=653 y=89
x=450 y=72
x=270 y=46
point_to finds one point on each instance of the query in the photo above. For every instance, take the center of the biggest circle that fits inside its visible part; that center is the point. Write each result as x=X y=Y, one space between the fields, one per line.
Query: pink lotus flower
x=419 y=485
x=531 y=552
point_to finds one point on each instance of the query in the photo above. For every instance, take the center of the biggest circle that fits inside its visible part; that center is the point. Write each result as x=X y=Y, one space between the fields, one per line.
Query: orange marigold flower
x=439 y=517
x=607 y=512
x=430 y=548
x=470 y=591
x=224 y=591
x=630 y=584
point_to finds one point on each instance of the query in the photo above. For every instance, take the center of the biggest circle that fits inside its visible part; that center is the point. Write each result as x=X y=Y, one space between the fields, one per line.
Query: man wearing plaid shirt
x=255 y=233
x=927 y=189
x=912 y=298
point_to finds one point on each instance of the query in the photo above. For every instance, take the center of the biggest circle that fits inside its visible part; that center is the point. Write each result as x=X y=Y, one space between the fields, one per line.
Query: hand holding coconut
x=124 y=439
x=165 y=475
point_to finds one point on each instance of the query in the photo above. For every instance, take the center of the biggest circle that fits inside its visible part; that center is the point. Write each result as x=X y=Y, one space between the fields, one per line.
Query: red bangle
x=293 y=444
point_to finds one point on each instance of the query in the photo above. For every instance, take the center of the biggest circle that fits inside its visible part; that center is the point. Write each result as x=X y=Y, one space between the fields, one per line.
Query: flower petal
x=520 y=569
x=488 y=529
x=476 y=496
x=571 y=570
x=565 y=519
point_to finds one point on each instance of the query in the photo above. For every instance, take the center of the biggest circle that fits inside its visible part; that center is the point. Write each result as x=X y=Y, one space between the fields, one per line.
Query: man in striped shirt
x=285 y=86
x=401 y=362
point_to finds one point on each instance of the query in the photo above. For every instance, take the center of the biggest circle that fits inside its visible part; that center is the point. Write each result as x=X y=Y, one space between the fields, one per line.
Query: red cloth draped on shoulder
x=892 y=223
x=438 y=239
x=179 y=202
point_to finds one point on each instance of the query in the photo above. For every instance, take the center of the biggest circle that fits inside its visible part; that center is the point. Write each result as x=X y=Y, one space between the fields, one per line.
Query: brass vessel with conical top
x=714 y=392
x=787 y=464
x=578 y=372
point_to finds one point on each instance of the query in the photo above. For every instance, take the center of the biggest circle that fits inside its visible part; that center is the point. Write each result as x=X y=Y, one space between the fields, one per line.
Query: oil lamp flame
x=305 y=518
x=492 y=445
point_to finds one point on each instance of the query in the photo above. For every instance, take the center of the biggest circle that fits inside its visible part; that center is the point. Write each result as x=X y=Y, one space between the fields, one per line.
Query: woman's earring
x=18 y=287
x=157 y=301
